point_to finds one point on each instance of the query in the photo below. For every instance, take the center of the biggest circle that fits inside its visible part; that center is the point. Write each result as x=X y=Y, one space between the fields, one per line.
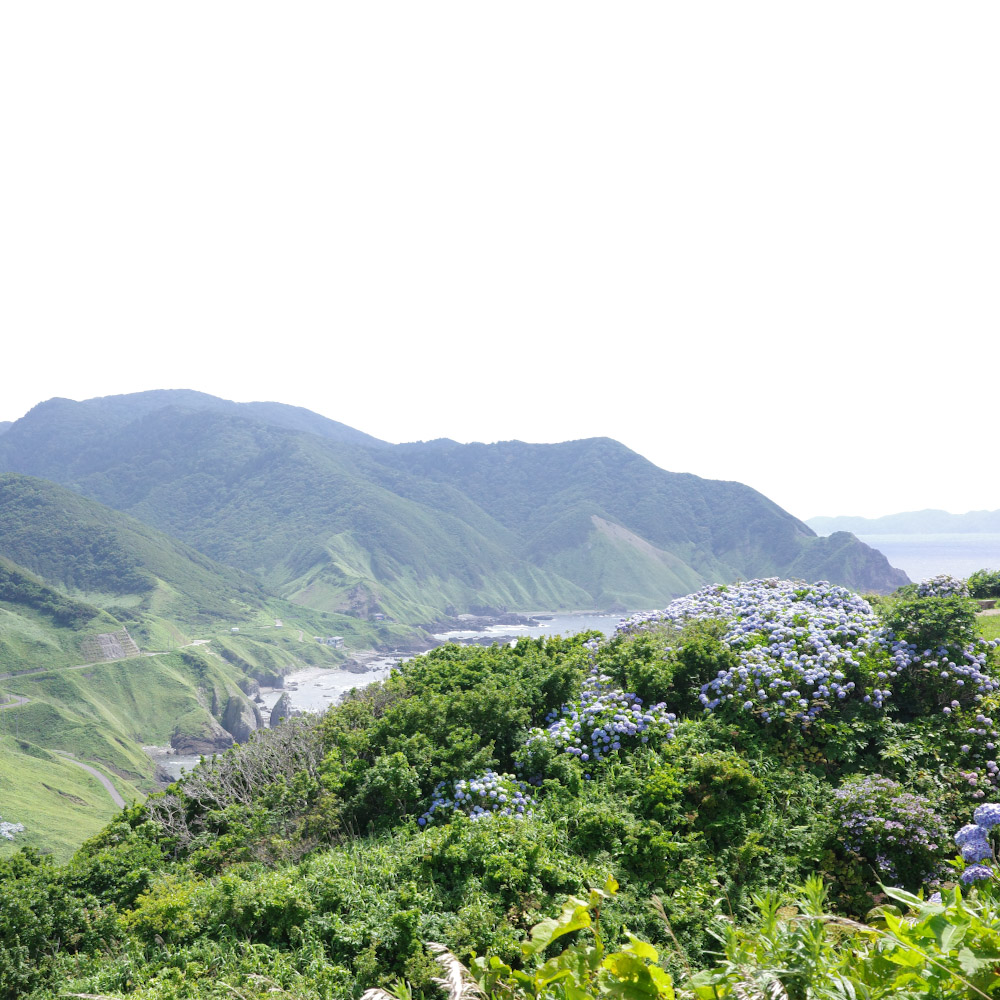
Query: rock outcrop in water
x=282 y=710
x=241 y=718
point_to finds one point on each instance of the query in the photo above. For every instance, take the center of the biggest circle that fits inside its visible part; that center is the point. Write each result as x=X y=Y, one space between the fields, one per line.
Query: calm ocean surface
x=923 y=556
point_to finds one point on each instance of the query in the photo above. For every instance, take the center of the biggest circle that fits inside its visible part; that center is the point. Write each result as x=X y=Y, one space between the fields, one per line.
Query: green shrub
x=932 y=622
x=984 y=583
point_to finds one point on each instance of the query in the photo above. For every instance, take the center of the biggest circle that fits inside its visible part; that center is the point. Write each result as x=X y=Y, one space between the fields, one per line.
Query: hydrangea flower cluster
x=490 y=794
x=805 y=647
x=981 y=731
x=973 y=842
x=943 y=585
x=604 y=721
x=897 y=830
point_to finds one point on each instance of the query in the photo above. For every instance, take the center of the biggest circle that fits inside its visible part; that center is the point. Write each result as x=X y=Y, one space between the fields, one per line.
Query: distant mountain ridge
x=917 y=522
x=336 y=520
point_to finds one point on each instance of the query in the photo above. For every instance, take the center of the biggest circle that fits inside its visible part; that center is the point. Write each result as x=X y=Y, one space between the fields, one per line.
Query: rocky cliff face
x=207 y=738
x=241 y=718
x=282 y=710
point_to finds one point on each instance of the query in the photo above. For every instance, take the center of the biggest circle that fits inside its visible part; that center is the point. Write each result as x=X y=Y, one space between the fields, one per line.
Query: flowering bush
x=488 y=795
x=803 y=648
x=603 y=721
x=943 y=585
x=897 y=832
x=975 y=844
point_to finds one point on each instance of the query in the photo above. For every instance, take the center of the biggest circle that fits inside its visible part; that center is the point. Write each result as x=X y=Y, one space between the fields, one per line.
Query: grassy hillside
x=166 y=592
x=58 y=803
x=39 y=626
x=104 y=714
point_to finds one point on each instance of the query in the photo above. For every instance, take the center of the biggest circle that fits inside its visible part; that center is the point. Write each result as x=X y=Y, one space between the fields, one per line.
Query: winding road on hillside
x=109 y=788
x=78 y=666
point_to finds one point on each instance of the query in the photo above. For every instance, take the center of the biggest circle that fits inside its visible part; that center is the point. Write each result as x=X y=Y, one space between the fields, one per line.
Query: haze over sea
x=923 y=556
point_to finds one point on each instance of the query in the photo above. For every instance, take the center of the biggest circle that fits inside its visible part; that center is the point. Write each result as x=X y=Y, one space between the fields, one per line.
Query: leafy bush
x=930 y=622
x=895 y=831
x=984 y=583
x=585 y=968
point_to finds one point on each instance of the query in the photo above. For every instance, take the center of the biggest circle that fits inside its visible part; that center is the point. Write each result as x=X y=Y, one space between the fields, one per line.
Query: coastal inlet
x=315 y=689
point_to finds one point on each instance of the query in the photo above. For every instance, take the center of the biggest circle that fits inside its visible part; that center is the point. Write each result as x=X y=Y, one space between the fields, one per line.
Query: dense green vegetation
x=309 y=862
x=338 y=521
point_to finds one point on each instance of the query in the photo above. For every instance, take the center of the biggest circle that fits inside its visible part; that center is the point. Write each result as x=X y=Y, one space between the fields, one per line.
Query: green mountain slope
x=306 y=514
x=165 y=591
x=417 y=531
x=41 y=626
x=561 y=499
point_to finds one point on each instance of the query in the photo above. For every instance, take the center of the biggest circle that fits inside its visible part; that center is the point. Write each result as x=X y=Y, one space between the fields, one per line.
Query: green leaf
x=541 y=935
x=972 y=963
x=909 y=958
x=624 y=966
x=641 y=949
x=947 y=933
x=902 y=896
x=663 y=981
x=575 y=916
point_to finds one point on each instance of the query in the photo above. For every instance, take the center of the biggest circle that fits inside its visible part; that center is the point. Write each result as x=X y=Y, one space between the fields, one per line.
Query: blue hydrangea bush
x=975 y=842
x=804 y=648
x=490 y=794
x=943 y=585
x=603 y=722
x=896 y=831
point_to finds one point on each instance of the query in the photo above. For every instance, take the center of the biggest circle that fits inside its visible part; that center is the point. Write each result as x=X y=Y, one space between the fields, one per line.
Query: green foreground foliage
x=716 y=859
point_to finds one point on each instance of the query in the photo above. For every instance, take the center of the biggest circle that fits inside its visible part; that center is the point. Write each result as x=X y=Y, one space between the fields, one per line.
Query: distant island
x=916 y=522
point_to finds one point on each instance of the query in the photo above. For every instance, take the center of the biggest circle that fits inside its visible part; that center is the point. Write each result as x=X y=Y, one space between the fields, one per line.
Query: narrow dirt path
x=109 y=788
x=15 y=700
x=77 y=666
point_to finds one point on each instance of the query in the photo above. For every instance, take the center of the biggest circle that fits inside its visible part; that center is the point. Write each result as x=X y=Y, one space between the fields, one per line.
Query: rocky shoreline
x=247 y=711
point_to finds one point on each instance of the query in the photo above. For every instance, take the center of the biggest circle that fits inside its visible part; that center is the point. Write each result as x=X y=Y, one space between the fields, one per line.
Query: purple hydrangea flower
x=967 y=833
x=977 y=848
x=987 y=815
x=976 y=873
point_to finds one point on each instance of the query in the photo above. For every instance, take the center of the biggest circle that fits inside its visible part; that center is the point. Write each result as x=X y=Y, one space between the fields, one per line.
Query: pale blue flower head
x=976 y=873
x=987 y=815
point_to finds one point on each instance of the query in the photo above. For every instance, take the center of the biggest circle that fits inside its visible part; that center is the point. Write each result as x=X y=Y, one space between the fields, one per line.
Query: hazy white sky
x=752 y=241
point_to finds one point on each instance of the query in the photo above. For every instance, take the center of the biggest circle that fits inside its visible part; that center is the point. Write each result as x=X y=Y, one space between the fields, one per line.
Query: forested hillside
x=337 y=521
x=718 y=802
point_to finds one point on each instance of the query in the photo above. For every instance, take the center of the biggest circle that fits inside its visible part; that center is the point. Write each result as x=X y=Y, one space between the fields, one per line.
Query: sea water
x=924 y=556
x=315 y=689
